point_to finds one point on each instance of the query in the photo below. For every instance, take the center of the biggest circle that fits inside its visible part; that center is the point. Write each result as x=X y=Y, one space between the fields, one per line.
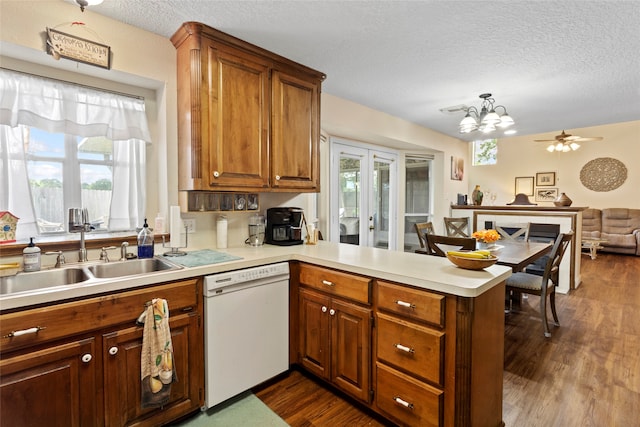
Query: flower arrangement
x=486 y=236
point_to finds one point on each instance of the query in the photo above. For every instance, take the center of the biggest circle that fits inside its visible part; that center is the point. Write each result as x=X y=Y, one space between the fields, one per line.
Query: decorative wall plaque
x=603 y=174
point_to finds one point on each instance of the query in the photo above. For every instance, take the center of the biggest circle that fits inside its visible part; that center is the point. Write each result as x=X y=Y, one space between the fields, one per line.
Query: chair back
x=456 y=227
x=433 y=240
x=542 y=232
x=551 y=270
x=423 y=228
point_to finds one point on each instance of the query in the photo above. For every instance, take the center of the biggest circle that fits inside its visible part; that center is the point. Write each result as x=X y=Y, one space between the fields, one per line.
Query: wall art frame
x=524 y=185
x=457 y=168
x=545 y=179
x=545 y=194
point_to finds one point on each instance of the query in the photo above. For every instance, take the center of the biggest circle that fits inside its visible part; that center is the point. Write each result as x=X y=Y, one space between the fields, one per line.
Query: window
x=485 y=152
x=68 y=146
x=417 y=197
x=66 y=171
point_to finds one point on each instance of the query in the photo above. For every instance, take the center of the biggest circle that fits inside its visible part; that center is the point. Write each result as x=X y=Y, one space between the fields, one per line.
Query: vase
x=476 y=196
x=484 y=245
x=563 y=200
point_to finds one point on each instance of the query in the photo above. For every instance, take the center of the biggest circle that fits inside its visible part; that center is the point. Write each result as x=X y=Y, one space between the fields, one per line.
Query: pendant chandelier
x=84 y=3
x=487 y=119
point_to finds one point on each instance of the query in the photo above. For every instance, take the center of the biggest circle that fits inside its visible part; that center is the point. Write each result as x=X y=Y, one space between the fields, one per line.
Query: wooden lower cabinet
x=54 y=386
x=334 y=338
x=83 y=367
x=435 y=359
x=121 y=352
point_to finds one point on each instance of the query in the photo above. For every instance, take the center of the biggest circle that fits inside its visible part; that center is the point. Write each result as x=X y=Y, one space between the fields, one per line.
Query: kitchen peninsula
x=569 y=218
x=455 y=317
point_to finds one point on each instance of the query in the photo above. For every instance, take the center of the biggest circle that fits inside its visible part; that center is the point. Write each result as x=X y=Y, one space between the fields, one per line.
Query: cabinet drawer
x=420 y=305
x=86 y=315
x=414 y=348
x=406 y=399
x=334 y=282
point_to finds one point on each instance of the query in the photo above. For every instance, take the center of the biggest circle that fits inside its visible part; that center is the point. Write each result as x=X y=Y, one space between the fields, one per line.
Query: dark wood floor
x=586 y=374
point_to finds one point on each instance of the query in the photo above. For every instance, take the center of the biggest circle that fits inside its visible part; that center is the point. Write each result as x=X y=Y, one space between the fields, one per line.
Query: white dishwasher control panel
x=245 y=277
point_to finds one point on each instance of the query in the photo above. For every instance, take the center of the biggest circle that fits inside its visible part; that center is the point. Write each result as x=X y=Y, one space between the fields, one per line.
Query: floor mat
x=244 y=410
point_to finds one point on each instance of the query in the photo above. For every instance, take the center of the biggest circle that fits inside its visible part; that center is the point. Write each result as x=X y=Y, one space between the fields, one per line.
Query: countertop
x=422 y=271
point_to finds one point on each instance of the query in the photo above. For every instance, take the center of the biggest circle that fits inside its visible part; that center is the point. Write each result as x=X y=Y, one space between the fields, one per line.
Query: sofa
x=620 y=227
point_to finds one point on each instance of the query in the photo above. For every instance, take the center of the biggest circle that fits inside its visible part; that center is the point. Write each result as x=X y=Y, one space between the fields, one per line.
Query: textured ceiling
x=553 y=64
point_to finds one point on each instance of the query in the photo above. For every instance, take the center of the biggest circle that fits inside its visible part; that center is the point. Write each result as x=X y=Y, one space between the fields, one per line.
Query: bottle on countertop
x=145 y=241
x=31 y=257
x=159 y=224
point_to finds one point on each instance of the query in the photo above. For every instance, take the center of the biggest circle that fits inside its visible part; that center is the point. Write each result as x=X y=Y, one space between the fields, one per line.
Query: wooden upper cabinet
x=295 y=125
x=248 y=119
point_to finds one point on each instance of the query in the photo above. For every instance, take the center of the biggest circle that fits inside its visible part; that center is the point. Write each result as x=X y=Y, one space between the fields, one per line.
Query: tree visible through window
x=485 y=152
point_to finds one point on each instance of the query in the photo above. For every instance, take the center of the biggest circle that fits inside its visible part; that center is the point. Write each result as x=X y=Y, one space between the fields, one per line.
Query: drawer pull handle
x=33 y=330
x=403 y=402
x=328 y=283
x=405 y=304
x=404 y=348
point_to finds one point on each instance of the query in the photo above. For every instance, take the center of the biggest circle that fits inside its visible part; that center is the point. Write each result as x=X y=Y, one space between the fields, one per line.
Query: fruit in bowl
x=472 y=260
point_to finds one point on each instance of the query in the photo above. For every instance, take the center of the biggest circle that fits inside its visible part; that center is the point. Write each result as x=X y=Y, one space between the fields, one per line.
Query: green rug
x=245 y=410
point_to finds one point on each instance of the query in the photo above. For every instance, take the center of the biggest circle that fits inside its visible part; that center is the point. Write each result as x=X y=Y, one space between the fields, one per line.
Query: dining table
x=517 y=254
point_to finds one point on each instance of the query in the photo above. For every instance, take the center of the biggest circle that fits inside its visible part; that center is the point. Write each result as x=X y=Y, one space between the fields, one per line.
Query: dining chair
x=545 y=233
x=544 y=286
x=434 y=240
x=456 y=227
x=423 y=228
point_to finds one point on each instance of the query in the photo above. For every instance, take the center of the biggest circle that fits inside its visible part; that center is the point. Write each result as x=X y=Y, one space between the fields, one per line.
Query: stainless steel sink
x=23 y=282
x=130 y=268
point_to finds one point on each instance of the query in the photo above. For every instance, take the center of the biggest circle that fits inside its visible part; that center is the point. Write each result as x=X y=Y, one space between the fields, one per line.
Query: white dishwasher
x=246 y=329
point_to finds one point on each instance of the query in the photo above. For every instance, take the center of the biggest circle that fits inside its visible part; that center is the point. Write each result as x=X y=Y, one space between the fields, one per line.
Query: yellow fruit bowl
x=472 y=263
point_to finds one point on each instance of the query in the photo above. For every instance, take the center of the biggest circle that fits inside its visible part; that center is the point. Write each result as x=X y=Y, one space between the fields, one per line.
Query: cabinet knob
x=332 y=312
x=277 y=177
x=113 y=350
x=216 y=174
x=324 y=309
x=86 y=358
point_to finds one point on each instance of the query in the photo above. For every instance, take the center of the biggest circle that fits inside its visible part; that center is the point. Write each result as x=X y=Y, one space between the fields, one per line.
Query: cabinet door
x=121 y=353
x=351 y=348
x=314 y=332
x=54 y=386
x=238 y=121
x=295 y=133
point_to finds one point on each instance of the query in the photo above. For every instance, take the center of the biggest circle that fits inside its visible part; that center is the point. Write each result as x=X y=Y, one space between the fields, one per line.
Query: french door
x=363 y=195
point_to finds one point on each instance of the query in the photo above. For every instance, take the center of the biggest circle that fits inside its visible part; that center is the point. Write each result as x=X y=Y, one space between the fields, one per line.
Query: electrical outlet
x=190 y=225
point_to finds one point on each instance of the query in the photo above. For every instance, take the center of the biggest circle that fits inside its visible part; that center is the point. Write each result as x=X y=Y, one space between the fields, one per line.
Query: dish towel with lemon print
x=157 y=368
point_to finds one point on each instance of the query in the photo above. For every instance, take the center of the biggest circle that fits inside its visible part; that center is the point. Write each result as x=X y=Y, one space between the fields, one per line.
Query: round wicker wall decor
x=603 y=174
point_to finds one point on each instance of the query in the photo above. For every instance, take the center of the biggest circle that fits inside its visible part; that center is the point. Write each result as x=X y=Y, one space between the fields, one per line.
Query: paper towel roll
x=175 y=226
x=221 y=232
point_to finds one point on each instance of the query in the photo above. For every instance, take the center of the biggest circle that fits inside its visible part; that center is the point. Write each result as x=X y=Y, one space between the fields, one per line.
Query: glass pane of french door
x=350 y=197
x=379 y=220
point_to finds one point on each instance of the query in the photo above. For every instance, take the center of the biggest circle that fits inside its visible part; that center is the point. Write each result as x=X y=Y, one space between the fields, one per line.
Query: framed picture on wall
x=545 y=179
x=457 y=168
x=524 y=185
x=546 y=194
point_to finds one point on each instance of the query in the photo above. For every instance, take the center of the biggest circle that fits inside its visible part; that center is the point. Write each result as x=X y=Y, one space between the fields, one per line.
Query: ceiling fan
x=566 y=142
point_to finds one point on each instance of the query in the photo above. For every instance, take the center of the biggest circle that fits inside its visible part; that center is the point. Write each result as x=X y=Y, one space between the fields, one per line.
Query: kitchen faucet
x=79 y=223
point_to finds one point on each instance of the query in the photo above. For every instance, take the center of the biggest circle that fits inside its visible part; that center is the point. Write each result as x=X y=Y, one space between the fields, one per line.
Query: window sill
x=59 y=243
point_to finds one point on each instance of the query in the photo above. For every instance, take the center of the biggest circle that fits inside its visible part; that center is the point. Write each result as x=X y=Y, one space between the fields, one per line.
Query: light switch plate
x=190 y=225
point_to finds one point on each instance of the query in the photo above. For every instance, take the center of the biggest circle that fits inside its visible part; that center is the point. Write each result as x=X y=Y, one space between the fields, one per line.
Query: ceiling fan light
x=574 y=146
x=566 y=148
x=559 y=146
x=551 y=148
x=488 y=128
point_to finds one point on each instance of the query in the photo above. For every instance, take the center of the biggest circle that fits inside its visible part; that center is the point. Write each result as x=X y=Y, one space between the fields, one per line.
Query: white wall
x=520 y=156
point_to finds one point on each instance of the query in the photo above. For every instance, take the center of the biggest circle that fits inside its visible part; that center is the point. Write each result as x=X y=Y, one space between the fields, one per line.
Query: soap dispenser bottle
x=145 y=241
x=31 y=257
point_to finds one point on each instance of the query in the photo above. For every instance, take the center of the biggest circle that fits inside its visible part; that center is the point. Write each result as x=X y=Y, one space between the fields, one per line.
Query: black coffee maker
x=284 y=226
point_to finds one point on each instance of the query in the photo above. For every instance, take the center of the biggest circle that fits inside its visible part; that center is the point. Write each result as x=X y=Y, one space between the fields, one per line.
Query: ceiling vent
x=454 y=109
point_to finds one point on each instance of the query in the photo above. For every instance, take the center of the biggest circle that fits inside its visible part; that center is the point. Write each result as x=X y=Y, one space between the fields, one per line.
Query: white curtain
x=60 y=107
